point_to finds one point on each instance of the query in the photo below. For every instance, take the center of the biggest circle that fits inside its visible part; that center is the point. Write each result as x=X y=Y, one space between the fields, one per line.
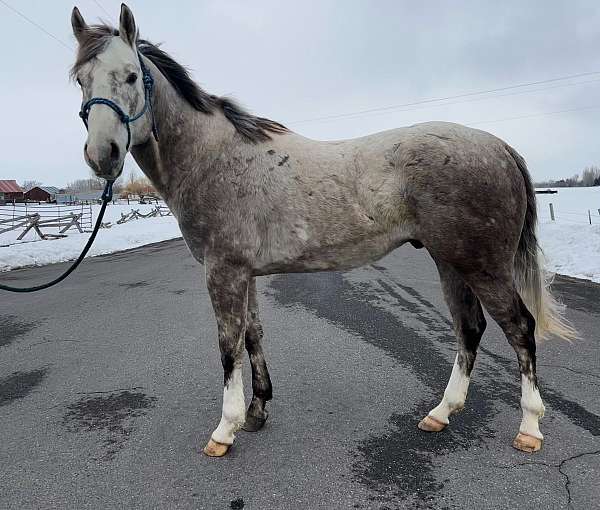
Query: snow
x=117 y=238
x=571 y=205
x=571 y=249
x=570 y=244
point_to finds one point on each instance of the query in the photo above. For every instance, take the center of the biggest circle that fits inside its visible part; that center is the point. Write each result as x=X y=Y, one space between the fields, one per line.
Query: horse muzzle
x=106 y=159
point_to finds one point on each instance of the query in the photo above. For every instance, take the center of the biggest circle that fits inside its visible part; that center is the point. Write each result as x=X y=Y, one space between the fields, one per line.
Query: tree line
x=589 y=177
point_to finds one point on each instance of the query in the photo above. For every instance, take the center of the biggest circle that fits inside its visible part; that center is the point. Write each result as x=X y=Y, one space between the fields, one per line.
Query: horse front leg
x=228 y=288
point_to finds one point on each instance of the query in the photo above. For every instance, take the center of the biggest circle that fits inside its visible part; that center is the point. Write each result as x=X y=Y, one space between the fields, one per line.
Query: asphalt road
x=111 y=384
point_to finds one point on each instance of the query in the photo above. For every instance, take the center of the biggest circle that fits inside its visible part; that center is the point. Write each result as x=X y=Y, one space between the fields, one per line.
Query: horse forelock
x=93 y=43
x=252 y=128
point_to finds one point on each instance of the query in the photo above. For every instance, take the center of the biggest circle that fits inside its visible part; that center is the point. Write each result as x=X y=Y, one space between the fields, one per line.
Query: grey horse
x=253 y=198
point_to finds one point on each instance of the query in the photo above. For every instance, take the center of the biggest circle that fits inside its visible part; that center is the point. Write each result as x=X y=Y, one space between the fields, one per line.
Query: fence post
x=590 y=216
x=551 y=212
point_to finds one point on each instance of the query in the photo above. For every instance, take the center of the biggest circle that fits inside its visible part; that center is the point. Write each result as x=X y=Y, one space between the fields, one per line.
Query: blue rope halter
x=126 y=119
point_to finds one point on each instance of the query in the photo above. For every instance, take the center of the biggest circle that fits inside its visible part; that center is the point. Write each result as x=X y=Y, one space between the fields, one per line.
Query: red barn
x=42 y=194
x=10 y=190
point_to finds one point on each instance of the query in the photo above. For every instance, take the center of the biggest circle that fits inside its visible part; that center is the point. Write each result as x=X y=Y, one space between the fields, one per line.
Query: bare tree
x=140 y=186
x=27 y=185
x=91 y=184
x=572 y=181
x=590 y=175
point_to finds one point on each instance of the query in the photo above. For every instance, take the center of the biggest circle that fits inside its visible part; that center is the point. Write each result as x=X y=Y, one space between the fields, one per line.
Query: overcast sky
x=306 y=59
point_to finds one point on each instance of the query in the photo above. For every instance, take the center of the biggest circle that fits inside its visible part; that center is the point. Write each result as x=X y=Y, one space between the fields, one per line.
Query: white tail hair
x=531 y=279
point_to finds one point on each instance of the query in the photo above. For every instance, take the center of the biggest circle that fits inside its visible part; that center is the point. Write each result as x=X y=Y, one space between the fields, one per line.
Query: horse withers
x=253 y=198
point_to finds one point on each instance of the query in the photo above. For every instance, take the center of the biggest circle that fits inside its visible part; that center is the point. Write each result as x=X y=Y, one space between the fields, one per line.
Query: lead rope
x=106 y=198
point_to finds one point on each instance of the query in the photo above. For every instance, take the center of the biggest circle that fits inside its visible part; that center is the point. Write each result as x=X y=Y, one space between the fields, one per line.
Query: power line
x=543 y=114
x=439 y=99
x=464 y=101
x=40 y=27
x=103 y=9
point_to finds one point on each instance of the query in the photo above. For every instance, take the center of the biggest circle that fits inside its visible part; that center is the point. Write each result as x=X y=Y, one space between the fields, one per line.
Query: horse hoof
x=430 y=424
x=527 y=443
x=254 y=423
x=214 y=449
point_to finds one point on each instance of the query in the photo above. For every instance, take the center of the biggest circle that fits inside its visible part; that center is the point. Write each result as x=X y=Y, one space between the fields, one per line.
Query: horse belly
x=332 y=257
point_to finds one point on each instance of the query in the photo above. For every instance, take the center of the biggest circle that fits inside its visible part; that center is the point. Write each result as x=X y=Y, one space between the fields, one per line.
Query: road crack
x=559 y=467
x=566 y=475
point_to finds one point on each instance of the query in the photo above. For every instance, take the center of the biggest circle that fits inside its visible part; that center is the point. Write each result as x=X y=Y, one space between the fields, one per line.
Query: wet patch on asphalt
x=20 y=384
x=11 y=328
x=134 y=285
x=237 y=504
x=112 y=415
x=401 y=462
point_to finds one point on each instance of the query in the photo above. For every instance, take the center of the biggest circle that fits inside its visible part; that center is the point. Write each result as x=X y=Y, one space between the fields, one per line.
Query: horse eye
x=131 y=78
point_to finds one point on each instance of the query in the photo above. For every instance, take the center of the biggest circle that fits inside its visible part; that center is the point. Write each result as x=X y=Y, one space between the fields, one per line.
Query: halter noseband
x=126 y=119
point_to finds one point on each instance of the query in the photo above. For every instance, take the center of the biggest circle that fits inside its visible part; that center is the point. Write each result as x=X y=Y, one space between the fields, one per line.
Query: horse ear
x=127 y=28
x=78 y=23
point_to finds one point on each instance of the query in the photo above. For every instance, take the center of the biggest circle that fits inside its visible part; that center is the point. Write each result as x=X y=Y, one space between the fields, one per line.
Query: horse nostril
x=85 y=150
x=114 y=151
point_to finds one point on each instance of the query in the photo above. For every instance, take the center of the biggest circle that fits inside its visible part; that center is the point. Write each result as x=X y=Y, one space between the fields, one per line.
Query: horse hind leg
x=262 y=392
x=504 y=304
x=469 y=325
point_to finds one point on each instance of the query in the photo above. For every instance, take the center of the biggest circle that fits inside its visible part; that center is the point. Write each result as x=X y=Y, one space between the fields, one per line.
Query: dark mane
x=252 y=128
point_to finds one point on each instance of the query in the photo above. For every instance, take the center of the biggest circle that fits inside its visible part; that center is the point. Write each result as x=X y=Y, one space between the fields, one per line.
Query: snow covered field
x=118 y=237
x=571 y=245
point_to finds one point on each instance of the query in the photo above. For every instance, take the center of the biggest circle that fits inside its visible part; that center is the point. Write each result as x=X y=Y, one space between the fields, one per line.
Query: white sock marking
x=532 y=407
x=234 y=409
x=454 y=396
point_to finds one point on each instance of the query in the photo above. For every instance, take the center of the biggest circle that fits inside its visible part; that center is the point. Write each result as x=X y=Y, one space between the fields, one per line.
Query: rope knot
x=148 y=81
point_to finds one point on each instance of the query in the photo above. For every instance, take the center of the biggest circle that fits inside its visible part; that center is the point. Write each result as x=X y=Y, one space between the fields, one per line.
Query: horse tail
x=531 y=280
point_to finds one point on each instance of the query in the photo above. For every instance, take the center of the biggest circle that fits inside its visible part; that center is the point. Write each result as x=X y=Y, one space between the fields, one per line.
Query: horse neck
x=189 y=141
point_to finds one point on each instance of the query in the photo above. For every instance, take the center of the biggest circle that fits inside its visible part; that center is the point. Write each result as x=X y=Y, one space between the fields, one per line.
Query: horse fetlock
x=457 y=407
x=256 y=416
x=225 y=432
x=235 y=421
x=453 y=404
